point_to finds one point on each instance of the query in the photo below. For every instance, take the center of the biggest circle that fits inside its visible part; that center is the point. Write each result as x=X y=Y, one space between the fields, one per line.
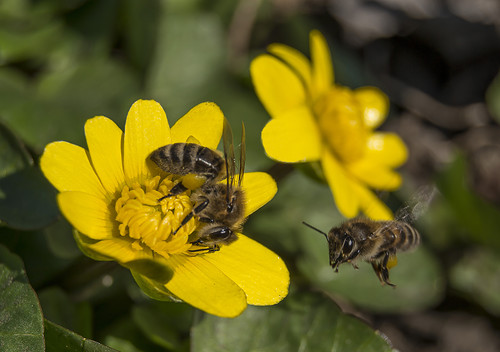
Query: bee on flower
x=121 y=206
x=313 y=119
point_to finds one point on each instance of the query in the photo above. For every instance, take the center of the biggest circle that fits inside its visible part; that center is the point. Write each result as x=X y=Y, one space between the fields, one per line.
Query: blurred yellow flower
x=110 y=192
x=314 y=119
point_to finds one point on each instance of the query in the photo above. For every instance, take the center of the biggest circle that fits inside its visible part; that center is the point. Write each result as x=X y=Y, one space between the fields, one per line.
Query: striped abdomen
x=189 y=158
x=399 y=235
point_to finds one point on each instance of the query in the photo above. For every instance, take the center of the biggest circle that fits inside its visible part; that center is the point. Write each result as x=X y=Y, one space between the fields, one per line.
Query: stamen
x=149 y=223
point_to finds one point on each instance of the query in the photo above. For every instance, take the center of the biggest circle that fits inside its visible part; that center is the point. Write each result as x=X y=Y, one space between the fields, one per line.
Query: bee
x=377 y=242
x=219 y=206
x=373 y=241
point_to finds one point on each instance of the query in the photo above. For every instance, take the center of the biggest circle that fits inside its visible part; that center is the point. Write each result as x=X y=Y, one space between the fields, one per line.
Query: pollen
x=149 y=223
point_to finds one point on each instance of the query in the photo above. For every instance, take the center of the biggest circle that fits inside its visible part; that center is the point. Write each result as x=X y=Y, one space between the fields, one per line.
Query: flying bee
x=373 y=241
x=377 y=242
x=219 y=206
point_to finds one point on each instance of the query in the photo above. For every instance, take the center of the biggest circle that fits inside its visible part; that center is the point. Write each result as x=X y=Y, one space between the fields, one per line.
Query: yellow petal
x=146 y=129
x=277 y=86
x=83 y=243
x=374 y=104
x=205 y=287
x=259 y=189
x=139 y=261
x=67 y=167
x=322 y=67
x=121 y=250
x=261 y=273
x=104 y=139
x=374 y=175
x=203 y=122
x=87 y=213
x=371 y=206
x=295 y=59
x=386 y=149
x=341 y=185
x=293 y=138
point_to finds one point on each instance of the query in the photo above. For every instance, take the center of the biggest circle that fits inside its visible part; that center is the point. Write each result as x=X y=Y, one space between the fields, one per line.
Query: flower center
x=150 y=224
x=340 y=119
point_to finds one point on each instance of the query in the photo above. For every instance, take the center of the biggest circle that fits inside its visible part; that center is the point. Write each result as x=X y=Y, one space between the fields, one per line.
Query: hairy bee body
x=376 y=242
x=219 y=206
x=185 y=158
x=371 y=238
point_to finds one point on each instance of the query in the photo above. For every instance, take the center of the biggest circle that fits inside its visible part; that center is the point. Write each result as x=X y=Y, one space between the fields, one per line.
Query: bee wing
x=227 y=138
x=242 y=154
x=417 y=205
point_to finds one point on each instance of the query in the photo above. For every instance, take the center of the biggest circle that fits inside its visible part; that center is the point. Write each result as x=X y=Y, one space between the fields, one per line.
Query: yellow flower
x=316 y=120
x=110 y=192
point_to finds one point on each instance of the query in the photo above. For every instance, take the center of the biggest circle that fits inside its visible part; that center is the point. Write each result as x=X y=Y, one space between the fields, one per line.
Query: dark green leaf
x=140 y=22
x=59 y=339
x=189 y=57
x=21 y=324
x=60 y=240
x=480 y=219
x=27 y=200
x=60 y=309
x=164 y=323
x=477 y=275
x=14 y=156
x=303 y=322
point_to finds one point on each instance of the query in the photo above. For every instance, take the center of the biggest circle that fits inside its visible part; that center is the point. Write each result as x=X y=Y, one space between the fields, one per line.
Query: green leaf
x=477 y=274
x=60 y=309
x=21 y=324
x=140 y=21
x=58 y=339
x=164 y=323
x=479 y=219
x=189 y=57
x=26 y=197
x=303 y=322
x=27 y=200
x=60 y=241
x=14 y=156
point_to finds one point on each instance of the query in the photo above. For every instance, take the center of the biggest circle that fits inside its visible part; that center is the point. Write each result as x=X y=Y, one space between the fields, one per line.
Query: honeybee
x=219 y=206
x=377 y=242
x=373 y=241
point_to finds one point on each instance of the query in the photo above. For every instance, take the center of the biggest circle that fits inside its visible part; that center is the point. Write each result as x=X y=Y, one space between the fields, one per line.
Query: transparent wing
x=242 y=154
x=417 y=205
x=227 y=138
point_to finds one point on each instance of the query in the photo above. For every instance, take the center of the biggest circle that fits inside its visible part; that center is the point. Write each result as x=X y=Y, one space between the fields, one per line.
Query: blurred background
x=62 y=62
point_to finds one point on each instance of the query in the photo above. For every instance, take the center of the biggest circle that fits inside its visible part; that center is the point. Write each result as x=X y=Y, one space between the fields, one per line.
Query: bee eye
x=348 y=245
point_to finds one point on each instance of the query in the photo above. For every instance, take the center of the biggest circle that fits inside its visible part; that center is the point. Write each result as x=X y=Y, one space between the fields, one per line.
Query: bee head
x=215 y=235
x=341 y=246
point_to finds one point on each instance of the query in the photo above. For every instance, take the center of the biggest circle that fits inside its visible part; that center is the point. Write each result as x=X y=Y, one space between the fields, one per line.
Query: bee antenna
x=315 y=229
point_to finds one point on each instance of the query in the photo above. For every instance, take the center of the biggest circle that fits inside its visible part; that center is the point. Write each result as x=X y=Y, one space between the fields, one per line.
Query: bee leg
x=177 y=189
x=196 y=210
x=212 y=249
x=206 y=220
x=381 y=270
